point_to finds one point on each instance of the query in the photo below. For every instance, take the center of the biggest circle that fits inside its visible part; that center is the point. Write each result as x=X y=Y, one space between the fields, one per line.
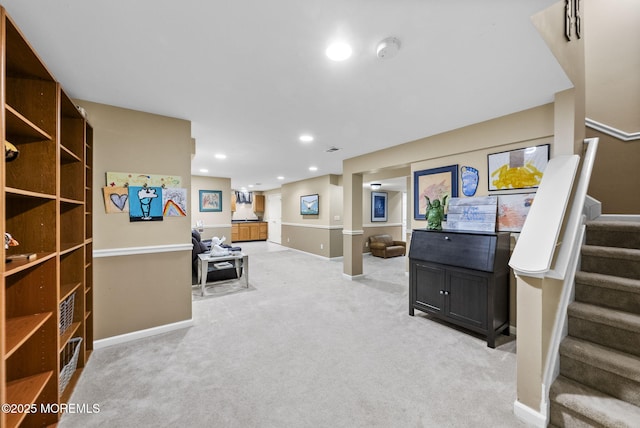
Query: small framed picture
x=378 y=206
x=309 y=205
x=210 y=200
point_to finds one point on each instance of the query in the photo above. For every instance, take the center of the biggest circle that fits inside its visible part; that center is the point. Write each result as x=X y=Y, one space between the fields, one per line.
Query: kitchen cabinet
x=462 y=278
x=249 y=231
x=258 y=203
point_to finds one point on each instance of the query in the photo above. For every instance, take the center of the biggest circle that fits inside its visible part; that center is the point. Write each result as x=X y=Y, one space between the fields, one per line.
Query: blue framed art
x=378 y=206
x=434 y=183
x=210 y=200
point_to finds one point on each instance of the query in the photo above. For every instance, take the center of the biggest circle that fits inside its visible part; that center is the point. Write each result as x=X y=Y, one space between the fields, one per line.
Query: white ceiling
x=252 y=76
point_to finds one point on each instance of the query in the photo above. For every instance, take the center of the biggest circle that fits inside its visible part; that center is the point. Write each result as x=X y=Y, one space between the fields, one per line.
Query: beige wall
x=612 y=60
x=139 y=291
x=215 y=223
x=313 y=234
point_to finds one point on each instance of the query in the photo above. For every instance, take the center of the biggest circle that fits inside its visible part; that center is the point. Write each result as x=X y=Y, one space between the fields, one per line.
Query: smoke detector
x=388 y=48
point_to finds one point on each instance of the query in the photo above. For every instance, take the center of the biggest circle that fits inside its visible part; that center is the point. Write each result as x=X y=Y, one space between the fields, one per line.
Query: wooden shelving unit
x=47 y=206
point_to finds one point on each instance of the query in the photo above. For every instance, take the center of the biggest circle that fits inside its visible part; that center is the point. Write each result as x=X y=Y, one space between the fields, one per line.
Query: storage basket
x=69 y=361
x=66 y=313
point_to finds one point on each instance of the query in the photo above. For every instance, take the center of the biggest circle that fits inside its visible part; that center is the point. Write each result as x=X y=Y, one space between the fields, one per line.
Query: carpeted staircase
x=599 y=381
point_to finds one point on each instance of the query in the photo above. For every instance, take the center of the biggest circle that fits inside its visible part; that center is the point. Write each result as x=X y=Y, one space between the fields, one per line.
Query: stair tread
x=614 y=225
x=602 y=357
x=629 y=285
x=611 y=252
x=596 y=405
x=611 y=317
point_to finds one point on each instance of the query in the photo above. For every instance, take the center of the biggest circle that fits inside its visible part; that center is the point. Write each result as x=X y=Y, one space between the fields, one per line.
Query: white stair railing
x=550 y=241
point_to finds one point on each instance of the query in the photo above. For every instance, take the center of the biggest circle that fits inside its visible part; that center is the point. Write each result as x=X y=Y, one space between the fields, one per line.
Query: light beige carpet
x=305 y=347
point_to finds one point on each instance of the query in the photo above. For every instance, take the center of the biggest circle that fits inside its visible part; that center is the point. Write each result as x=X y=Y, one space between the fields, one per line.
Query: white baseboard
x=140 y=334
x=352 y=277
x=528 y=415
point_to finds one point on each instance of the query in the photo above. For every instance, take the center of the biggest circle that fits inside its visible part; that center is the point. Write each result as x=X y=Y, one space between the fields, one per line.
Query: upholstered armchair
x=385 y=246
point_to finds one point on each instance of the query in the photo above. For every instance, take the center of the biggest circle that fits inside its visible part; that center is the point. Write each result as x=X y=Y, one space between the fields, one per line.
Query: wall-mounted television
x=309 y=205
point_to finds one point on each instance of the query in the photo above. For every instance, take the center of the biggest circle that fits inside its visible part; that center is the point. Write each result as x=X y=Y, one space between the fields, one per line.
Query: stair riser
x=594 y=377
x=562 y=417
x=612 y=337
x=619 y=239
x=615 y=299
x=611 y=266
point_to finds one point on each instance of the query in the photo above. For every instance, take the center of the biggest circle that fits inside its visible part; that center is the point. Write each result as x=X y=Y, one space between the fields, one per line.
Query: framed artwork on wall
x=435 y=183
x=517 y=169
x=513 y=210
x=378 y=206
x=309 y=205
x=210 y=200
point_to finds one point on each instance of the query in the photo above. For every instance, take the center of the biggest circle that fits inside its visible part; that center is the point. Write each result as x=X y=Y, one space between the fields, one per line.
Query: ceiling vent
x=332 y=149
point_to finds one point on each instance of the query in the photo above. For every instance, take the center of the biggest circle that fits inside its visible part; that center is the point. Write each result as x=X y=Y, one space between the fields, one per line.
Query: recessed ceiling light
x=204 y=170
x=339 y=51
x=250 y=185
x=280 y=177
x=220 y=156
x=313 y=168
x=306 y=138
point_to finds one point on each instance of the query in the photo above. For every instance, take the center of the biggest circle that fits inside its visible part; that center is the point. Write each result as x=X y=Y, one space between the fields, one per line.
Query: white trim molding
x=152 y=249
x=141 y=334
x=610 y=130
x=352 y=277
x=528 y=415
x=352 y=232
x=313 y=226
x=372 y=225
x=211 y=226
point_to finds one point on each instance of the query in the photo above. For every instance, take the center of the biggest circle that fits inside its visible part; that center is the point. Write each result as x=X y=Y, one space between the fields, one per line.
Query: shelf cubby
x=31 y=220
x=35 y=168
x=71 y=225
x=71 y=176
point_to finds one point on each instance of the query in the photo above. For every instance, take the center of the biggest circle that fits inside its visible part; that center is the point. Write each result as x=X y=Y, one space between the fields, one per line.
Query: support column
x=352 y=233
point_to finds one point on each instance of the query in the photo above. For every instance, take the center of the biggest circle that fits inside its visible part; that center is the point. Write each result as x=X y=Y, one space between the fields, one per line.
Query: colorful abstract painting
x=517 y=169
x=124 y=179
x=513 y=210
x=174 y=202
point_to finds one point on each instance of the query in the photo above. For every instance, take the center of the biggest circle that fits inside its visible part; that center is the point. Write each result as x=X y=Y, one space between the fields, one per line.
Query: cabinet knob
x=446 y=238
x=446 y=293
x=441 y=291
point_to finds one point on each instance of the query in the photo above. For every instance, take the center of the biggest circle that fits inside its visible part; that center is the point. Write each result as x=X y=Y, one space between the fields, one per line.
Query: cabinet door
x=258 y=203
x=254 y=232
x=467 y=298
x=428 y=287
x=244 y=233
x=263 y=231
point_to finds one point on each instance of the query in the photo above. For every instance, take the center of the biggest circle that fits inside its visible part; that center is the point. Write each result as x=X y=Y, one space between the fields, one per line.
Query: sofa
x=385 y=246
